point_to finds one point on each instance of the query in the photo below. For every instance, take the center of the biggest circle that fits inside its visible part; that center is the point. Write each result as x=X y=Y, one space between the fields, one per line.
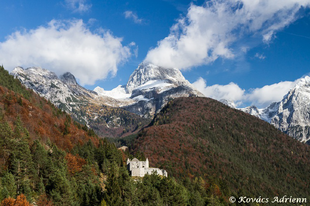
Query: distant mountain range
x=125 y=109
x=115 y=113
x=291 y=115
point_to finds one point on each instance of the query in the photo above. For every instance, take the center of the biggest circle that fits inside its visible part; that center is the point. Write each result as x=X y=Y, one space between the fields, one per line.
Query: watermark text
x=264 y=200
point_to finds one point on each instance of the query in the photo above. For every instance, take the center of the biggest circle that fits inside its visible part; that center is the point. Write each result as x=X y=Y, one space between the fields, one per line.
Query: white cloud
x=260 y=97
x=231 y=91
x=133 y=16
x=78 y=5
x=66 y=46
x=213 y=30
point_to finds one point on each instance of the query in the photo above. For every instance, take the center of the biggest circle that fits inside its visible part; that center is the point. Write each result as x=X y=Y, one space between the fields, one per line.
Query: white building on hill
x=140 y=168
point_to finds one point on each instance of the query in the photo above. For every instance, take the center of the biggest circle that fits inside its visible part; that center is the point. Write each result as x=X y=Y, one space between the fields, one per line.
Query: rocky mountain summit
x=82 y=104
x=290 y=115
x=147 y=91
x=152 y=76
x=58 y=90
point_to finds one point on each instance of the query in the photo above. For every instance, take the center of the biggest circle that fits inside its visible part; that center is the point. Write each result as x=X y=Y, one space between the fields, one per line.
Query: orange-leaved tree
x=19 y=201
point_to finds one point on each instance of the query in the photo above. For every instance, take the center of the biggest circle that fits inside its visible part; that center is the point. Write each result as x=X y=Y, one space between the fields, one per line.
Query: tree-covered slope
x=41 y=119
x=48 y=159
x=202 y=137
x=45 y=157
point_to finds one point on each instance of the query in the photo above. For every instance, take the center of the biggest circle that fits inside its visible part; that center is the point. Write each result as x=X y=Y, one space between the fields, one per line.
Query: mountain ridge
x=82 y=104
x=291 y=114
x=147 y=91
x=202 y=137
x=149 y=88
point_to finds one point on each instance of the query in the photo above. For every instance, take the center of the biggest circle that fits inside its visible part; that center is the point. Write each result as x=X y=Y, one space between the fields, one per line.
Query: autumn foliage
x=44 y=201
x=19 y=201
x=42 y=119
x=42 y=155
x=211 y=152
x=75 y=163
x=201 y=137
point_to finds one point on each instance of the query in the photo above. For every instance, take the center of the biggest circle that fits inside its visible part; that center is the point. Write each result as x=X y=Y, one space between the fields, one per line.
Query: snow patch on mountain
x=148 y=89
x=118 y=93
x=159 y=85
x=148 y=74
x=228 y=103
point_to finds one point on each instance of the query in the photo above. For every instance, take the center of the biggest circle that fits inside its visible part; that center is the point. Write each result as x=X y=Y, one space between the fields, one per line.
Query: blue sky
x=250 y=52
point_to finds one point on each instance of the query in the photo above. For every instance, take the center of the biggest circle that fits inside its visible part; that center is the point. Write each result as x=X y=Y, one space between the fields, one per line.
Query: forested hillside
x=44 y=155
x=209 y=150
x=48 y=159
x=200 y=137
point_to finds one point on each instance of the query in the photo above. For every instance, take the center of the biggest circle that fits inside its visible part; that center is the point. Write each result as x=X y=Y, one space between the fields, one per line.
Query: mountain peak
x=33 y=72
x=304 y=81
x=149 y=72
x=18 y=68
x=231 y=104
x=291 y=114
x=68 y=79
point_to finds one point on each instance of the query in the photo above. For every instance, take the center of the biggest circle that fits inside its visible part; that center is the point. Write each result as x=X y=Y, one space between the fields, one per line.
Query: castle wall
x=140 y=168
x=138 y=172
x=158 y=171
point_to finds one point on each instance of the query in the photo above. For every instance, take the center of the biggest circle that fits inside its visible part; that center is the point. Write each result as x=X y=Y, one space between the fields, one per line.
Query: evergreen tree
x=26 y=190
x=4 y=193
x=8 y=185
x=5 y=143
x=5 y=136
x=41 y=160
x=173 y=193
x=113 y=195
x=19 y=130
x=59 y=188
x=20 y=162
x=40 y=186
x=130 y=194
x=196 y=199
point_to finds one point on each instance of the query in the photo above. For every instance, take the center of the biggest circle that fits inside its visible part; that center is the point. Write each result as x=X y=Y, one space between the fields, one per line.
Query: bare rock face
x=291 y=115
x=82 y=104
x=151 y=76
x=153 y=87
x=147 y=91
x=48 y=85
x=293 y=112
